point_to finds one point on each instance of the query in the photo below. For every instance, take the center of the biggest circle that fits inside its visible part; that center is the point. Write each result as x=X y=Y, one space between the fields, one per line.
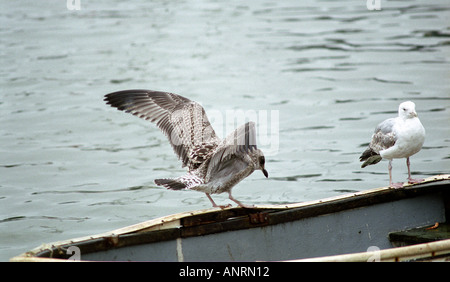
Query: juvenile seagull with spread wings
x=214 y=165
x=396 y=138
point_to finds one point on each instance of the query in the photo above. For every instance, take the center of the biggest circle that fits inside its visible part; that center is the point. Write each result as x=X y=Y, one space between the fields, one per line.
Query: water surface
x=71 y=166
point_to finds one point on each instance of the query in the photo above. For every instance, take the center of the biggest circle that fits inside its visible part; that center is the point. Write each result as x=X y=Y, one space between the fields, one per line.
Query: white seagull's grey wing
x=383 y=138
x=241 y=140
x=183 y=121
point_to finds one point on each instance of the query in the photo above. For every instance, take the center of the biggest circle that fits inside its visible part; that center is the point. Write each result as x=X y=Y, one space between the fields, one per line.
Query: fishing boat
x=382 y=224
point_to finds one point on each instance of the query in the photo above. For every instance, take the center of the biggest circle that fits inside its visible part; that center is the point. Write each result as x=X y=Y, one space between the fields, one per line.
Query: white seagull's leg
x=393 y=185
x=411 y=180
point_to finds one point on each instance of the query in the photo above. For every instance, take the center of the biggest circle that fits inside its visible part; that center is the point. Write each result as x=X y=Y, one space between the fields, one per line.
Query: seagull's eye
x=404 y=109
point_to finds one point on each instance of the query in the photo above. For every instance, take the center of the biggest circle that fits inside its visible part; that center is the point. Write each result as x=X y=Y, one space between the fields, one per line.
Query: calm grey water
x=330 y=71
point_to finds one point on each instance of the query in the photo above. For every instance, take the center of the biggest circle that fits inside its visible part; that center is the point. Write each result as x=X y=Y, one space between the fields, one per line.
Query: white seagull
x=214 y=165
x=396 y=138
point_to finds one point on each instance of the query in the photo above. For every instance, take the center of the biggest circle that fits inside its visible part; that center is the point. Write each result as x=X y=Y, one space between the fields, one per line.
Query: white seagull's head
x=407 y=110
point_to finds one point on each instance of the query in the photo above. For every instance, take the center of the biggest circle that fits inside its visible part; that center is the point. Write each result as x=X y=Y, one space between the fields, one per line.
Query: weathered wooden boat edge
x=192 y=221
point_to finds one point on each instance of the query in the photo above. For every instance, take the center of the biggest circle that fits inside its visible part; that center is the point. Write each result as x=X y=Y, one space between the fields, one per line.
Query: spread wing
x=183 y=121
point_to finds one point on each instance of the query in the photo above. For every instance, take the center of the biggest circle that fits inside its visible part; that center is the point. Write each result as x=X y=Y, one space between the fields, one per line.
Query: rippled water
x=71 y=166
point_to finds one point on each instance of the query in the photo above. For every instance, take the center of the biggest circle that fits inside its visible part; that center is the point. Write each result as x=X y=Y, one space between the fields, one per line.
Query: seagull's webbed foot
x=415 y=180
x=222 y=206
x=239 y=203
x=216 y=205
x=246 y=206
x=396 y=185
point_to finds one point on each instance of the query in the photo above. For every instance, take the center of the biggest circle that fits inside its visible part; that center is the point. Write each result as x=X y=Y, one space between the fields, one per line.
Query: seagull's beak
x=266 y=174
x=414 y=114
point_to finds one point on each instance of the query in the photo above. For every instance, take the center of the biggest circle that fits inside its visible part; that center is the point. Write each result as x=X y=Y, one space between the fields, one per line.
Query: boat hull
x=352 y=223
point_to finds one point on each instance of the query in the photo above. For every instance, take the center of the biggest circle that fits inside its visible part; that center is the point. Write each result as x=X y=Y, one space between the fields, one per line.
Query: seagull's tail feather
x=183 y=182
x=370 y=157
x=172 y=184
